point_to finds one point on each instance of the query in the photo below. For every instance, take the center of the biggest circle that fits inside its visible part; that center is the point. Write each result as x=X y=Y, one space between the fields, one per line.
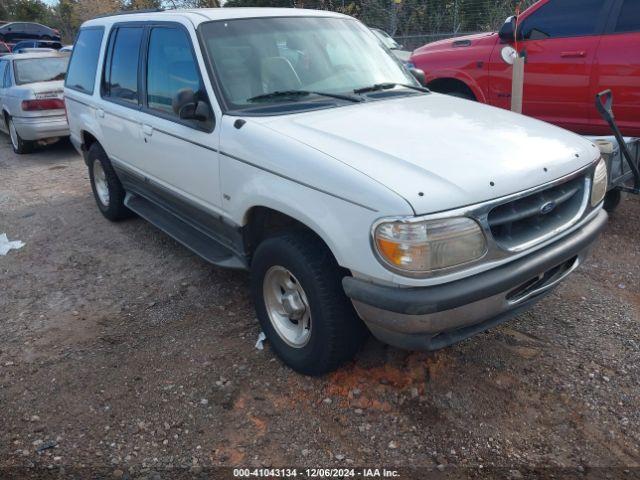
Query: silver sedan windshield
x=317 y=55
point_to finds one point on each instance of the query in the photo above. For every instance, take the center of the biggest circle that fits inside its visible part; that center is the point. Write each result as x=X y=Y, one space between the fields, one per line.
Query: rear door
x=119 y=111
x=617 y=67
x=19 y=32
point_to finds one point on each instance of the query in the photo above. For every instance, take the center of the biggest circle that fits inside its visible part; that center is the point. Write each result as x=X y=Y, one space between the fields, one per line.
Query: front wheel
x=19 y=145
x=301 y=306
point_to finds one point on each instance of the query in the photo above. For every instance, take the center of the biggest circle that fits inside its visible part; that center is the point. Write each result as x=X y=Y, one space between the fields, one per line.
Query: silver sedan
x=31 y=98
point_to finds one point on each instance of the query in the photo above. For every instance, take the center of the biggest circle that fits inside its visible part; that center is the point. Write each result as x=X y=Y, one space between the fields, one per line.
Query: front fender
x=262 y=168
x=461 y=76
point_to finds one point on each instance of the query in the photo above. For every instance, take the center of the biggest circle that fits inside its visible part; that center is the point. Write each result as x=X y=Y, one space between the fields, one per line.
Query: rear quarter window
x=81 y=75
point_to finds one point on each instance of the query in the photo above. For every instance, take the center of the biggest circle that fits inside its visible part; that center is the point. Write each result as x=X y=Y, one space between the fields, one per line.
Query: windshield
x=46 y=69
x=257 y=56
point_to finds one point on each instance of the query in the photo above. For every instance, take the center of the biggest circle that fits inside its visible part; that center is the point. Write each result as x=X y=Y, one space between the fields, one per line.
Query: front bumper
x=39 y=128
x=430 y=318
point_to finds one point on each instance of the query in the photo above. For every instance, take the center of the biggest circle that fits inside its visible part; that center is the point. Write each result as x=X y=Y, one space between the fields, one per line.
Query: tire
x=105 y=184
x=612 y=200
x=19 y=145
x=335 y=332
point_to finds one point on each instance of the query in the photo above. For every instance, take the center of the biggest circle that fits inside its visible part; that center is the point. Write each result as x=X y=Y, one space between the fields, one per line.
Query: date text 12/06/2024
x=315 y=472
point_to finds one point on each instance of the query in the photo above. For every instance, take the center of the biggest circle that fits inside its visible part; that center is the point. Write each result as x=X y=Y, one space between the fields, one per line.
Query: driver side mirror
x=507 y=32
x=187 y=107
x=419 y=75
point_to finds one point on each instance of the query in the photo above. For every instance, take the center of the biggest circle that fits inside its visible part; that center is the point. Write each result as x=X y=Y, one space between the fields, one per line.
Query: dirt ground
x=121 y=350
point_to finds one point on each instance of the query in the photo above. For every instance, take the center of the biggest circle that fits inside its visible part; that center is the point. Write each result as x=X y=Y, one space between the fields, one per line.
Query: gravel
x=122 y=350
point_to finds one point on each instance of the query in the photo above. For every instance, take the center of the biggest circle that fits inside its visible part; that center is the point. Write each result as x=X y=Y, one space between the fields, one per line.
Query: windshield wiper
x=387 y=86
x=301 y=93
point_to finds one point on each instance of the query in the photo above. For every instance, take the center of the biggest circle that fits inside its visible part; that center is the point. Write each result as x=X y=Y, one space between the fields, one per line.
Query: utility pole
x=455 y=16
x=395 y=9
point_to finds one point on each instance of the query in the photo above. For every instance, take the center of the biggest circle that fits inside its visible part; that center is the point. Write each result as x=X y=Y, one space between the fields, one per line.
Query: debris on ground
x=260 y=343
x=6 y=244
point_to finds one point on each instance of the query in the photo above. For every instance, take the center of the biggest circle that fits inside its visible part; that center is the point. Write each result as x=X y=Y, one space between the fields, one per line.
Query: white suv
x=292 y=143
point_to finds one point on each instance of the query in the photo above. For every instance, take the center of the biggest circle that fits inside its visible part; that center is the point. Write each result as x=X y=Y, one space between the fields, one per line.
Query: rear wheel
x=105 y=184
x=19 y=145
x=301 y=306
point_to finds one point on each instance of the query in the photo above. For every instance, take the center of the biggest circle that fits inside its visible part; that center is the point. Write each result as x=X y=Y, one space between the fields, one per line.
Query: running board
x=195 y=240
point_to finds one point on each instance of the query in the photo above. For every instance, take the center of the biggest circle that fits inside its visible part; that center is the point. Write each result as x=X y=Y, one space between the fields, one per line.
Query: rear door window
x=3 y=67
x=629 y=18
x=121 y=68
x=84 y=60
x=564 y=18
x=6 y=83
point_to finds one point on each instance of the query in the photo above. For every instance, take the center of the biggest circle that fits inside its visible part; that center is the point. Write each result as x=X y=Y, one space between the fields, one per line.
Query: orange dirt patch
x=261 y=425
x=227 y=456
x=416 y=370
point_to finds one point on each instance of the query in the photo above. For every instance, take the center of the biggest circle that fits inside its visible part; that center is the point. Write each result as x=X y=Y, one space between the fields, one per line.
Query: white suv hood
x=448 y=149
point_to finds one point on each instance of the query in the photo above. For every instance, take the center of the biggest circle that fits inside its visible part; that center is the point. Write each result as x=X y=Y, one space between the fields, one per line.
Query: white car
x=289 y=142
x=31 y=98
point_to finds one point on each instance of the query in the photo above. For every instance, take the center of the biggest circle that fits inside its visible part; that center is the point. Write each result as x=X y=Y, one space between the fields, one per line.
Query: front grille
x=536 y=285
x=523 y=221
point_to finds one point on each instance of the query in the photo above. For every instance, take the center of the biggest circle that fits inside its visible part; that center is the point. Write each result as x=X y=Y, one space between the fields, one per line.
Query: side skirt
x=194 y=239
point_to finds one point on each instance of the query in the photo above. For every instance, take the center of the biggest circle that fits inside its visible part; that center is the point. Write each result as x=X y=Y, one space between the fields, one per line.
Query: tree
x=26 y=10
x=142 y=5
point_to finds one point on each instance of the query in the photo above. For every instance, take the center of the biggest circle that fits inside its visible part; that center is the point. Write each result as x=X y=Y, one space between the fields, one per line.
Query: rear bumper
x=430 y=318
x=39 y=128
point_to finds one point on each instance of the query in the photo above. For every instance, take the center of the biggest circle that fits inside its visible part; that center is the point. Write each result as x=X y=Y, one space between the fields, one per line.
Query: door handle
x=574 y=54
x=147 y=130
x=100 y=113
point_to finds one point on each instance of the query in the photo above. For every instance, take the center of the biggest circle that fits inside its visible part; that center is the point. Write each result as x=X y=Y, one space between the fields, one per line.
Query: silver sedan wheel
x=287 y=306
x=13 y=133
x=100 y=182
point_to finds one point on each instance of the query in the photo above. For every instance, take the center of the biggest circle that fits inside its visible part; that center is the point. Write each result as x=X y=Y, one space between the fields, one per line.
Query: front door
x=560 y=39
x=181 y=155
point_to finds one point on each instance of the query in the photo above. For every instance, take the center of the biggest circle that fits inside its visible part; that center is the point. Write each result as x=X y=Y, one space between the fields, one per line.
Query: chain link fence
x=416 y=22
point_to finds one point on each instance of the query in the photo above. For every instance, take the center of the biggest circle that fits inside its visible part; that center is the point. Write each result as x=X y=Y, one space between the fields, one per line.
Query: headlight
x=599 y=187
x=428 y=245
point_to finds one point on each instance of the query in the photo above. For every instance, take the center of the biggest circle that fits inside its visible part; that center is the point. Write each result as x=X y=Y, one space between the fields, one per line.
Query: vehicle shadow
x=60 y=152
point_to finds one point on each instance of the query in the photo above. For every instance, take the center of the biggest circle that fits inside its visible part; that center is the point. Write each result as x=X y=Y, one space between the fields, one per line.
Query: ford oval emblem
x=547 y=208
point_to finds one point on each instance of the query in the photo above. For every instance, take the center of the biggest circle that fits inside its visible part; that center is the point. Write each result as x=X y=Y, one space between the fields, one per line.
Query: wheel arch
x=260 y=222
x=87 y=139
x=450 y=83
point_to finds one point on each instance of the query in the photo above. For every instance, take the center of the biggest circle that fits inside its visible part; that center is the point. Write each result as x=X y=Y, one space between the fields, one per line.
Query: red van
x=573 y=49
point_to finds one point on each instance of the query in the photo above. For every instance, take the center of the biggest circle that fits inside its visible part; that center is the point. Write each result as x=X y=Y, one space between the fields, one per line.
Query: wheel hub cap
x=293 y=305
x=287 y=306
x=13 y=134
x=100 y=182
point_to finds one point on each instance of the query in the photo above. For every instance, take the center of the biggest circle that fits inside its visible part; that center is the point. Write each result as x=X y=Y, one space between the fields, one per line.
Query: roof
x=24 y=56
x=200 y=15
